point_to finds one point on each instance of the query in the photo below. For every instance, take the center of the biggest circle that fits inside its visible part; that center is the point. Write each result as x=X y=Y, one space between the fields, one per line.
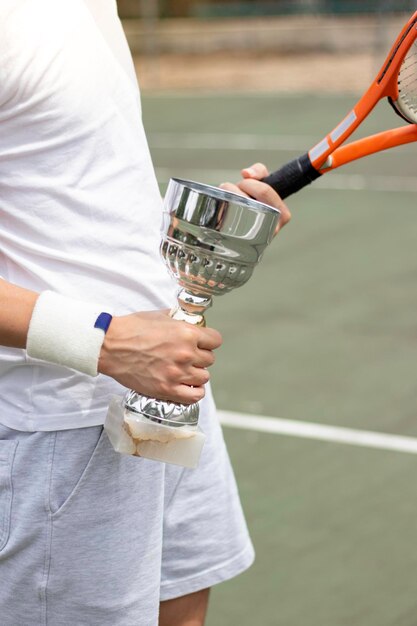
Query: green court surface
x=325 y=332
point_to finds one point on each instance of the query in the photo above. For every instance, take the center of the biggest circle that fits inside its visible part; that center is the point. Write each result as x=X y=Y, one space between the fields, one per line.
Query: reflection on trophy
x=211 y=242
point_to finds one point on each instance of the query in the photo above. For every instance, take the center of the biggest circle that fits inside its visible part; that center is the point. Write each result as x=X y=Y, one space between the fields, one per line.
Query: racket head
x=400 y=66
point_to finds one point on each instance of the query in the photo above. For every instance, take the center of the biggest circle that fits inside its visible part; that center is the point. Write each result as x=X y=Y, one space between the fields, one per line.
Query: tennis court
x=324 y=333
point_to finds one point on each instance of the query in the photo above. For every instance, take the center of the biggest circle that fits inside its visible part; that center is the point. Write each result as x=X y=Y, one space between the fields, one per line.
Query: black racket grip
x=292 y=176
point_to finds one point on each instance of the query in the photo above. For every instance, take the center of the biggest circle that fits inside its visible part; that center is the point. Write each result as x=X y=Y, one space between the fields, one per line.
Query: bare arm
x=15 y=313
x=148 y=352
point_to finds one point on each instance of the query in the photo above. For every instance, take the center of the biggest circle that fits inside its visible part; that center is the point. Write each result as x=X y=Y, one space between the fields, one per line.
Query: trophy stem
x=190 y=309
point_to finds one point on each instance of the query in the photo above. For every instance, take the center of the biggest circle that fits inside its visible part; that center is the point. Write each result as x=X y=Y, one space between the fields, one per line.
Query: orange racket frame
x=384 y=86
x=329 y=153
x=369 y=145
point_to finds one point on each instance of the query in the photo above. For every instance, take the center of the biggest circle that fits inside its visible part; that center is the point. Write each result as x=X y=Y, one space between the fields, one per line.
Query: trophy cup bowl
x=212 y=240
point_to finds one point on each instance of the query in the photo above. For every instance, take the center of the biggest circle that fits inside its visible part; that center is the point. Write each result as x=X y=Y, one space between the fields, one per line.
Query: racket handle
x=292 y=176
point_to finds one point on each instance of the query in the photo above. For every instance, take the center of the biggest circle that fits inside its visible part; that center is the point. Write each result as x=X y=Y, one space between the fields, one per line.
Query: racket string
x=407 y=85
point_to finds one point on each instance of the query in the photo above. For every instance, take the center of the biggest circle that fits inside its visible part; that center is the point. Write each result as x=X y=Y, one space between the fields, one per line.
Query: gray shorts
x=89 y=537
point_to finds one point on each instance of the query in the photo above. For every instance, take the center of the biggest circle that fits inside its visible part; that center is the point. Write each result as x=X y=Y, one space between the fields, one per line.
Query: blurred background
x=217 y=45
x=322 y=342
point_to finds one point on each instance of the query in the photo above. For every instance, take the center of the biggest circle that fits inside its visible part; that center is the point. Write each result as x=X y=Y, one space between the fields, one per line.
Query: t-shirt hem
x=83 y=419
x=213 y=576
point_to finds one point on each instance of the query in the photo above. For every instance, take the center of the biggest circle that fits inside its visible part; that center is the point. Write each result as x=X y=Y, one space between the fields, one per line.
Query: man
x=88 y=536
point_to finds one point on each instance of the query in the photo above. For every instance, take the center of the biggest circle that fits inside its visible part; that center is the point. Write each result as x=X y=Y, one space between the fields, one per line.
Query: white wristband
x=62 y=331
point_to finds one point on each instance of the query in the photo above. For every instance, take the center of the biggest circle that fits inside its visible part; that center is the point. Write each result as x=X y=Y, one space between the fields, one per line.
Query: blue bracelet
x=103 y=321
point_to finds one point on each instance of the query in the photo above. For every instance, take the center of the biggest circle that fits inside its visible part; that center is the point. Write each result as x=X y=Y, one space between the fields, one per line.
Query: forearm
x=148 y=352
x=15 y=313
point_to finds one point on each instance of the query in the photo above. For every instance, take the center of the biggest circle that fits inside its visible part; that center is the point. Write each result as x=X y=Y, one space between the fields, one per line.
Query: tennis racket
x=397 y=81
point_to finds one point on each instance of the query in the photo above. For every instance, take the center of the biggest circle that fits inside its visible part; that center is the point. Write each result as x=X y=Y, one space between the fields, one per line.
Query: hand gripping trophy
x=211 y=241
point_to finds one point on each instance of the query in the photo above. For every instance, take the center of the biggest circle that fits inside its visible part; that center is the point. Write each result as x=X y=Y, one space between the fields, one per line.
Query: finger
x=254 y=188
x=204 y=358
x=195 y=377
x=185 y=394
x=260 y=191
x=264 y=193
x=233 y=188
x=209 y=339
x=257 y=171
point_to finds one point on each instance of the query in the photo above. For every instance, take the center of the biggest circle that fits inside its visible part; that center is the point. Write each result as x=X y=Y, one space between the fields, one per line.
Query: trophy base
x=131 y=433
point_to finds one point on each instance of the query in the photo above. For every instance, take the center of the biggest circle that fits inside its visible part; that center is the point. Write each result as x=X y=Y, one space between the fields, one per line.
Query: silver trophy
x=212 y=240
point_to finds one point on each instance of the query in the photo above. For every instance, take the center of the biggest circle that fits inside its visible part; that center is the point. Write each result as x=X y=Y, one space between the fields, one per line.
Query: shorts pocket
x=7 y=453
x=75 y=456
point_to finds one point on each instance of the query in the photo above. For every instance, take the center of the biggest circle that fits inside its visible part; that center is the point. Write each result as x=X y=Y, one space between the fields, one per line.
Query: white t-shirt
x=80 y=209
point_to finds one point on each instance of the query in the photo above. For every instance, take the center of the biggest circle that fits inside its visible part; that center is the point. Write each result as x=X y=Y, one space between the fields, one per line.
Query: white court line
x=209 y=94
x=224 y=141
x=331 y=181
x=238 y=141
x=321 y=432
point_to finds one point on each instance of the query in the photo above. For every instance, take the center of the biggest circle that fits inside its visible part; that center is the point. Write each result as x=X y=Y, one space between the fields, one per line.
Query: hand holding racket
x=397 y=81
